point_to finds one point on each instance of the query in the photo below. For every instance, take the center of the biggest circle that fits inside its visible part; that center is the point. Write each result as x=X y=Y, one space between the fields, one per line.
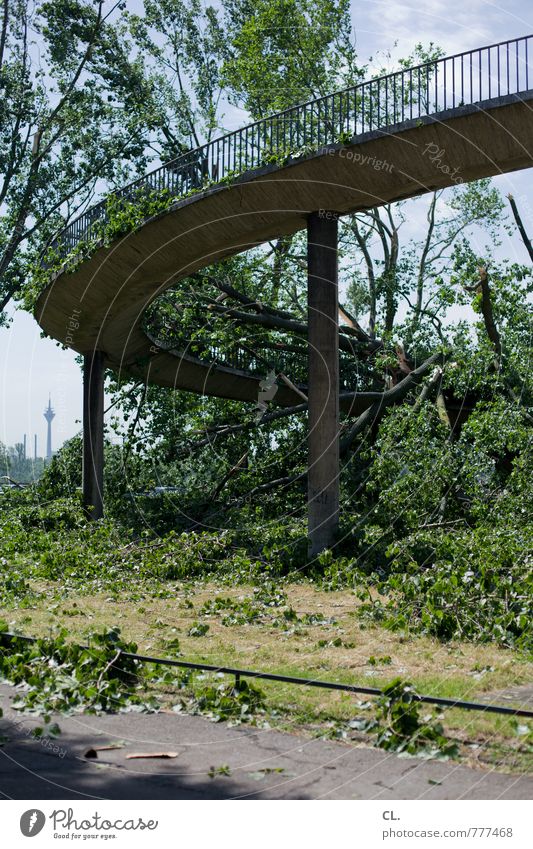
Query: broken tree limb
x=229 y=474
x=292 y=386
x=267 y=487
x=521 y=229
x=442 y=409
x=349 y=344
x=375 y=412
x=483 y=289
x=352 y=403
x=354 y=325
x=234 y=293
x=429 y=387
x=433 y=385
x=226 y=430
x=488 y=314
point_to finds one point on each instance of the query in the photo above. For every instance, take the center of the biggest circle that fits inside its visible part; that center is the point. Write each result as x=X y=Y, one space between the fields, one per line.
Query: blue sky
x=31 y=367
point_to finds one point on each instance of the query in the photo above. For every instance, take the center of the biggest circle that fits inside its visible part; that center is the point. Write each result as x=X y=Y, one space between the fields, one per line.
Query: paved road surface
x=264 y=764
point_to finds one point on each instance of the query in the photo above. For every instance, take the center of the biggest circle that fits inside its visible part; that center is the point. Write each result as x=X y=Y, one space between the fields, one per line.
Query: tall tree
x=283 y=52
x=71 y=122
x=182 y=46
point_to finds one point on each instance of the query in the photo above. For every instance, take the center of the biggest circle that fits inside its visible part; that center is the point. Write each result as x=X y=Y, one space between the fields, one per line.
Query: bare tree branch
x=521 y=229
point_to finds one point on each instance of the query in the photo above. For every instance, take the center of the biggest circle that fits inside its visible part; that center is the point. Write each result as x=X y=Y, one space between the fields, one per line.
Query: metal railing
x=467 y=78
x=262 y=359
x=238 y=673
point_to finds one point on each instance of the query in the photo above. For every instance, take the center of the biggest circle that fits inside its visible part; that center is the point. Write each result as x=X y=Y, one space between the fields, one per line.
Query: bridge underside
x=109 y=293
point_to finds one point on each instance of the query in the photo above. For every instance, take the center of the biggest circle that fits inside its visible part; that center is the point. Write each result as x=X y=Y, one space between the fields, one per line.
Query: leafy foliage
x=61 y=132
x=223 y=702
x=400 y=728
x=59 y=676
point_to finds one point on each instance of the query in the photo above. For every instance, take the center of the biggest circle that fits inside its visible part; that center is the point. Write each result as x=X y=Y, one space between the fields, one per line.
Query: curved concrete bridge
x=442 y=123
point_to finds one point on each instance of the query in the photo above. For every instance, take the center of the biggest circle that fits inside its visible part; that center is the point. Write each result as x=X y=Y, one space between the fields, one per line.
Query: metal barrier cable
x=306 y=682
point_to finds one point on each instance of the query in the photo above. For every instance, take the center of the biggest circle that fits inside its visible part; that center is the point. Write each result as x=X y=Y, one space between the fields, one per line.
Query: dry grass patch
x=337 y=648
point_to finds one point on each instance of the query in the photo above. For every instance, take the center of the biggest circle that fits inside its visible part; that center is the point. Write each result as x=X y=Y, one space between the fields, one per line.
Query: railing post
x=93 y=435
x=323 y=391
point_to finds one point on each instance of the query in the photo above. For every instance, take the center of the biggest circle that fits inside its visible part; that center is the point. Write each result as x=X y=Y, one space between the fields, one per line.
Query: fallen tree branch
x=226 y=430
x=346 y=343
x=267 y=487
x=521 y=229
x=292 y=386
x=259 y=306
x=488 y=314
x=429 y=387
x=354 y=325
x=21 y=485
x=233 y=471
x=375 y=412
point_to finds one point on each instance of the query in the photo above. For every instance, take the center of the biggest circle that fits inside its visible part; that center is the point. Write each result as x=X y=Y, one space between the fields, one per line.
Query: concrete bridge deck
x=109 y=293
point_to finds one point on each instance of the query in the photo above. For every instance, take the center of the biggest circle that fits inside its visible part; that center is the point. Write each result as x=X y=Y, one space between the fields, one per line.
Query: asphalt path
x=217 y=761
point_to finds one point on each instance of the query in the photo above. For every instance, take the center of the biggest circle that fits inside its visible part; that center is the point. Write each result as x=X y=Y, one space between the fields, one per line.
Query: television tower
x=49 y=415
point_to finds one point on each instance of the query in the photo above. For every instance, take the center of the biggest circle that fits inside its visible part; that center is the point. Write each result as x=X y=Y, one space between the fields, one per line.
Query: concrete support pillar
x=323 y=318
x=93 y=434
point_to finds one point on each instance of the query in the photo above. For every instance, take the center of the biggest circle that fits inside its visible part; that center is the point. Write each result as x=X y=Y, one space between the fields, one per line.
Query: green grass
x=459 y=670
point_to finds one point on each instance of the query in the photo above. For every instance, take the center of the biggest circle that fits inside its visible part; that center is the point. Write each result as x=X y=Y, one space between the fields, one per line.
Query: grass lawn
x=305 y=632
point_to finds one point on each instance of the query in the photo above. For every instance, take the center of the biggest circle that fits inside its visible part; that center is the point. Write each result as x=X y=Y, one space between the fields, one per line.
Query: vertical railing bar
x=507 y=46
x=347 y=106
x=453 y=83
x=291 y=123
